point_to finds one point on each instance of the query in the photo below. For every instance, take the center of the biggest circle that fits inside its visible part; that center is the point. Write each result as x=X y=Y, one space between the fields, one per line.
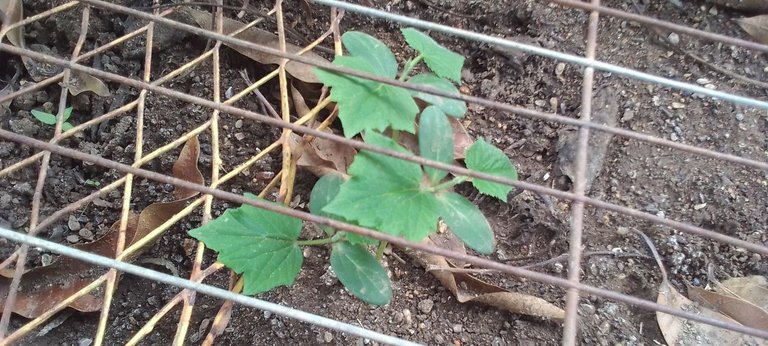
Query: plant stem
x=448 y=184
x=380 y=250
x=409 y=66
x=315 y=242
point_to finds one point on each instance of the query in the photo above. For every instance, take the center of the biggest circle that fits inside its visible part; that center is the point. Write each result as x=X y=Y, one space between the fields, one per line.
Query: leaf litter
x=43 y=288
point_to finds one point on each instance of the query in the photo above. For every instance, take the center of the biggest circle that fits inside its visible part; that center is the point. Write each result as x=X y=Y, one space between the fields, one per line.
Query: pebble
x=739 y=116
x=622 y=230
x=426 y=305
x=85 y=342
x=673 y=136
x=239 y=136
x=677 y=105
x=407 y=316
x=239 y=123
x=73 y=224
x=73 y=238
x=559 y=69
x=673 y=38
x=628 y=115
x=457 y=328
x=327 y=337
x=24 y=189
x=86 y=234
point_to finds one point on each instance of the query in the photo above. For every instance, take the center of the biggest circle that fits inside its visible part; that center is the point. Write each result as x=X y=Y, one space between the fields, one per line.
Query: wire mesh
x=285 y=177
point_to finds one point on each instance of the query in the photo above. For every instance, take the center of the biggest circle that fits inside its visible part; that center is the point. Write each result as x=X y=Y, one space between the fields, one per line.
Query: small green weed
x=50 y=119
x=397 y=197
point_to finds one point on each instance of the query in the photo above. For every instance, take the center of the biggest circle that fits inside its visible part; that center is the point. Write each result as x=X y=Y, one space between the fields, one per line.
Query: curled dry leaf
x=467 y=288
x=12 y=12
x=738 y=309
x=298 y=70
x=44 y=287
x=757 y=27
x=79 y=82
x=461 y=138
x=321 y=156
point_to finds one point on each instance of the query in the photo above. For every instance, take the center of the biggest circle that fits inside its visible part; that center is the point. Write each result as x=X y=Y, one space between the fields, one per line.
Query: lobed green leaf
x=454 y=108
x=441 y=60
x=361 y=273
x=324 y=191
x=386 y=194
x=435 y=141
x=257 y=243
x=484 y=157
x=372 y=50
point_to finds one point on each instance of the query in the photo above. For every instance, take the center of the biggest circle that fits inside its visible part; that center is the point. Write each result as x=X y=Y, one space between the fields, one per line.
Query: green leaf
x=258 y=243
x=454 y=108
x=368 y=105
x=324 y=191
x=435 y=141
x=361 y=273
x=66 y=127
x=466 y=221
x=371 y=49
x=386 y=194
x=442 y=61
x=486 y=158
x=43 y=117
x=67 y=113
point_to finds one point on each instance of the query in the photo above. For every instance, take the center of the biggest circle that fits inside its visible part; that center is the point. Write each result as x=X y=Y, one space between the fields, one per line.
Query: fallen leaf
x=743 y=5
x=79 y=82
x=461 y=138
x=681 y=331
x=44 y=287
x=738 y=309
x=757 y=27
x=605 y=112
x=753 y=289
x=264 y=38
x=467 y=288
x=12 y=12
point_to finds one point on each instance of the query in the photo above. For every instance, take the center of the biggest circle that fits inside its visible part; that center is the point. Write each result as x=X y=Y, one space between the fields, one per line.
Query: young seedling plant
x=390 y=195
x=50 y=119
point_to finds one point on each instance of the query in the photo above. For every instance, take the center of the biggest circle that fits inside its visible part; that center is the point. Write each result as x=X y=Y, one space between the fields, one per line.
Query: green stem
x=315 y=242
x=380 y=250
x=448 y=184
x=409 y=66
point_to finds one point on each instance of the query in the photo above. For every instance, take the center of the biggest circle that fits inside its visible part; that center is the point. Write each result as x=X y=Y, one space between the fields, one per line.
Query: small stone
x=559 y=69
x=457 y=328
x=426 y=305
x=622 y=230
x=739 y=116
x=239 y=123
x=73 y=224
x=239 y=136
x=407 y=316
x=703 y=81
x=73 y=238
x=24 y=189
x=267 y=314
x=85 y=342
x=699 y=206
x=677 y=105
x=710 y=86
x=86 y=234
x=540 y=103
x=46 y=259
x=628 y=115
x=673 y=136
x=713 y=11
x=327 y=337
x=673 y=38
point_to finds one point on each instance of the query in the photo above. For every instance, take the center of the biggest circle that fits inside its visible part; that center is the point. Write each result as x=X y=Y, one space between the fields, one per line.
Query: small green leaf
x=324 y=191
x=486 y=158
x=258 y=243
x=66 y=127
x=361 y=273
x=386 y=194
x=435 y=141
x=442 y=61
x=454 y=108
x=43 y=117
x=368 y=105
x=371 y=49
x=466 y=221
x=67 y=113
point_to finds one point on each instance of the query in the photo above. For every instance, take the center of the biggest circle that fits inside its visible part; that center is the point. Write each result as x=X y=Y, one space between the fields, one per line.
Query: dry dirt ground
x=722 y=197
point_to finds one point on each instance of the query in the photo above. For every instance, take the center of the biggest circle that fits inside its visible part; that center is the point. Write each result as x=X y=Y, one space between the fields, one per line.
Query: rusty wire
x=580 y=200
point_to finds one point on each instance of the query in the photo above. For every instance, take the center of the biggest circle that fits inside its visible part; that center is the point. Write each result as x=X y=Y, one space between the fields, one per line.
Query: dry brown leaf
x=743 y=5
x=757 y=27
x=680 y=331
x=467 y=288
x=264 y=38
x=736 y=308
x=753 y=289
x=79 y=82
x=461 y=138
x=12 y=12
x=44 y=287
x=321 y=156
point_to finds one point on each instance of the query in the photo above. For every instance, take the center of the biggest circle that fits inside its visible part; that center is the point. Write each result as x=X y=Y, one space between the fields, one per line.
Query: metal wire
x=203 y=288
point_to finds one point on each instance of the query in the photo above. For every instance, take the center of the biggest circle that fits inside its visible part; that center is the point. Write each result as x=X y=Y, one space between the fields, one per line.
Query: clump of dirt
x=530 y=228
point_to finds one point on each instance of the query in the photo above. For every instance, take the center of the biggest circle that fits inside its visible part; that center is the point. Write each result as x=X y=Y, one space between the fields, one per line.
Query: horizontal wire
x=472 y=99
x=480 y=262
x=574 y=59
x=400 y=155
x=203 y=288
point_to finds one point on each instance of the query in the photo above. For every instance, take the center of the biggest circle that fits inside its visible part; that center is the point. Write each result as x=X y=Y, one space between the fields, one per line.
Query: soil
x=723 y=197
